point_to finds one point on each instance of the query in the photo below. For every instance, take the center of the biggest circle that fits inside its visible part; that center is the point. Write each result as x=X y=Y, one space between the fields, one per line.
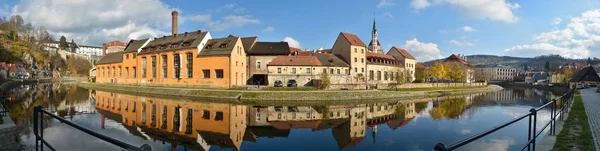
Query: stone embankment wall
x=406 y=85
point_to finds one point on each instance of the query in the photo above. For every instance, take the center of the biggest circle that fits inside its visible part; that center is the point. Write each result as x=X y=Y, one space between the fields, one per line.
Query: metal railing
x=38 y=131
x=4 y=110
x=566 y=101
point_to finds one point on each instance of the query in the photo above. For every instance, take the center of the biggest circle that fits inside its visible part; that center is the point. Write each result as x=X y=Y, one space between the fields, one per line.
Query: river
x=180 y=124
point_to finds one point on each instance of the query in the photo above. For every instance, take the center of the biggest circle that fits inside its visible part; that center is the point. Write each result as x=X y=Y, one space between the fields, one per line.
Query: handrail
x=566 y=100
x=39 y=132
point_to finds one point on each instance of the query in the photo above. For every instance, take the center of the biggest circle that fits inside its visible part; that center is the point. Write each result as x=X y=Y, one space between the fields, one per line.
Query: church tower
x=374 y=45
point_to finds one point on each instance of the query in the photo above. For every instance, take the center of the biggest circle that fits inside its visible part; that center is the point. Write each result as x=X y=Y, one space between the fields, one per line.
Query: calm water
x=175 y=124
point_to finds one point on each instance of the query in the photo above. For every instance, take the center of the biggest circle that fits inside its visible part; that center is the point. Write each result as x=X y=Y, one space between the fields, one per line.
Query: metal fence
x=557 y=107
x=40 y=142
x=4 y=110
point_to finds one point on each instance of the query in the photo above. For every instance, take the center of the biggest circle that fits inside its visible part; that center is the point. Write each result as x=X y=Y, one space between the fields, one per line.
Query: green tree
x=567 y=74
x=455 y=72
x=547 y=66
x=62 y=44
x=325 y=81
x=400 y=78
x=73 y=46
x=420 y=75
x=438 y=71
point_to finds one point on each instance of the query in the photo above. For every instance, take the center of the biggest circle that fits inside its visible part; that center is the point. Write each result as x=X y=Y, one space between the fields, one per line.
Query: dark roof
x=353 y=39
x=116 y=57
x=330 y=60
x=270 y=48
x=219 y=47
x=585 y=74
x=194 y=38
x=134 y=45
x=248 y=42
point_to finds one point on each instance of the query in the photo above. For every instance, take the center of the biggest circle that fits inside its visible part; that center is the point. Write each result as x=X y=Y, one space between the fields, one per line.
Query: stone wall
x=407 y=85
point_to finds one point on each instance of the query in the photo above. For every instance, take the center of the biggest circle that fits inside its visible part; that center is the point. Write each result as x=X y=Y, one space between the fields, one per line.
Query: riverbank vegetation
x=576 y=134
x=436 y=88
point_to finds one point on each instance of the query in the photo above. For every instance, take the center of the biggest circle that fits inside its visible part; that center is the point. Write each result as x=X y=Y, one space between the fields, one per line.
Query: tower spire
x=374 y=45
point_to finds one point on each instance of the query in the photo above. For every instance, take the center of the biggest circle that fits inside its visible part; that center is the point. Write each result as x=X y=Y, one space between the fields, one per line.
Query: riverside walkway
x=591 y=101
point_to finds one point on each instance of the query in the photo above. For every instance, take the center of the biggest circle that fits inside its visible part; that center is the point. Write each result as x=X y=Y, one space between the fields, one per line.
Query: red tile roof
x=304 y=53
x=116 y=43
x=376 y=55
x=353 y=39
x=296 y=60
x=292 y=49
x=403 y=52
x=454 y=58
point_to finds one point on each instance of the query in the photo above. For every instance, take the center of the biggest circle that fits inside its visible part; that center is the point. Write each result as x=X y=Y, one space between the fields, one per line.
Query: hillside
x=533 y=63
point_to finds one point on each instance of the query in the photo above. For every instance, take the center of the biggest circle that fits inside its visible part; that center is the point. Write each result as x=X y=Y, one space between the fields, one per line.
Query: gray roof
x=116 y=57
x=330 y=60
x=134 y=45
x=270 y=48
x=194 y=38
x=248 y=42
x=585 y=74
x=219 y=47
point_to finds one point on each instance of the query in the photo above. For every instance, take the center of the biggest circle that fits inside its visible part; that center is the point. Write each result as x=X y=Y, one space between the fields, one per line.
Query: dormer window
x=163 y=47
x=223 y=46
x=187 y=44
x=153 y=48
x=174 y=45
x=208 y=46
x=144 y=49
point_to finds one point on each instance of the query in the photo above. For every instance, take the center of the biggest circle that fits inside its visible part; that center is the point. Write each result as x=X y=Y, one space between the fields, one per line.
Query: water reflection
x=168 y=124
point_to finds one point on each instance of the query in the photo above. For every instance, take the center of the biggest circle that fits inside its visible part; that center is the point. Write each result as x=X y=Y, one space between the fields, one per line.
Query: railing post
x=534 y=114
x=552 y=117
x=529 y=133
x=35 y=125
x=440 y=147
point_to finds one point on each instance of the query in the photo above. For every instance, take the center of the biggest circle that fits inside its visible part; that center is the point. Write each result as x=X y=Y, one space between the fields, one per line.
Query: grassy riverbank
x=437 y=89
x=576 y=134
x=280 y=96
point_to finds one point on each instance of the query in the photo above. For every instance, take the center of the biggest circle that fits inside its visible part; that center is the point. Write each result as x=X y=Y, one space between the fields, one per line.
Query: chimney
x=103 y=49
x=174 y=22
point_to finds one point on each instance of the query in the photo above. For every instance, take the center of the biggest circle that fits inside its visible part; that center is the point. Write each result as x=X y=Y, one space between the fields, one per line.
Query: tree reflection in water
x=450 y=109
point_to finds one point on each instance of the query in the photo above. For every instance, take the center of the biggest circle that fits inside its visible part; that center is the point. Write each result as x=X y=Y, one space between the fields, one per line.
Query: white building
x=90 y=51
x=497 y=72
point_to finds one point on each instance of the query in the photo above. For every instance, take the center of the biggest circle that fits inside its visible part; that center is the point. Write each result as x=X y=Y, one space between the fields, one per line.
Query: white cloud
x=385 y=3
x=389 y=14
x=580 y=38
x=461 y=43
x=292 y=42
x=466 y=131
x=493 y=144
x=107 y=20
x=422 y=51
x=556 y=21
x=498 y=10
x=268 y=29
x=420 y=4
x=468 y=29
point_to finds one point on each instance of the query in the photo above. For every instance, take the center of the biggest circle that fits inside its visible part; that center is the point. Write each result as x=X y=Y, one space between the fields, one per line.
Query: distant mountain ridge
x=533 y=63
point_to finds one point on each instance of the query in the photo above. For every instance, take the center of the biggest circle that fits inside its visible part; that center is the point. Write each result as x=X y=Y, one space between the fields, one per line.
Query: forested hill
x=533 y=63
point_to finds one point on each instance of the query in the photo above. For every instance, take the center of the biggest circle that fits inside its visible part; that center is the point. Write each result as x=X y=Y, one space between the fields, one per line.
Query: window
x=355 y=69
x=144 y=67
x=293 y=70
x=219 y=73
x=385 y=76
x=278 y=70
x=324 y=70
x=126 y=56
x=219 y=116
x=307 y=70
x=355 y=50
x=134 y=73
x=392 y=76
x=378 y=75
x=206 y=114
x=189 y=62
x=188 y=121
x=331 y=71
x=362 y=60
x=177 y=65
x=308 y=115
x=126 y=72
x=120 y=72
x=258 y=64
x=362 y=70
x=348 y=71
x=186 y=44
x=153 y=66
x=371 y=74
x=362 y=50
x=174 y=45
x=153 y=115
x=355 y=59
x=134 y=55
x=144 y=113
x=164 y=66
x=205 y=74
x=114 y=72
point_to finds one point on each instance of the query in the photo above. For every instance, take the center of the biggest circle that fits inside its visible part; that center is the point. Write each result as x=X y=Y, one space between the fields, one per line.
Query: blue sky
x=428 y=29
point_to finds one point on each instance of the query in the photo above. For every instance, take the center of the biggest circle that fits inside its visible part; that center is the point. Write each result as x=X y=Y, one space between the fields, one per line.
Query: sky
x=428 y=29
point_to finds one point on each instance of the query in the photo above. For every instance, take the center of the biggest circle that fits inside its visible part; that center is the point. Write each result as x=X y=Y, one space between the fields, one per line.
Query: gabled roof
x=116 y=57
x=134 y=45
x=270 y=48
x=353 y=39
x=295 y=61
x=403 y=52
x=219 y=46
x=454 y=58
x=248 y=42
x=193 y=38
x=330 y=60
x=585 y=74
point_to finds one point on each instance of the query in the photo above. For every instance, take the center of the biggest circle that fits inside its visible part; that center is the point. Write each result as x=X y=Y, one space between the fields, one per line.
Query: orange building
x=223 y=125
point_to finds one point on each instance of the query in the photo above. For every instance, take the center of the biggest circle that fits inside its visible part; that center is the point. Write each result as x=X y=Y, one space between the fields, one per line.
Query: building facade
x=112 y=47
x=497 y=72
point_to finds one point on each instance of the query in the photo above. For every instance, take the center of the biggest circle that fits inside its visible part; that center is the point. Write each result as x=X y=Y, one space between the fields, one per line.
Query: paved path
x=591 y=101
